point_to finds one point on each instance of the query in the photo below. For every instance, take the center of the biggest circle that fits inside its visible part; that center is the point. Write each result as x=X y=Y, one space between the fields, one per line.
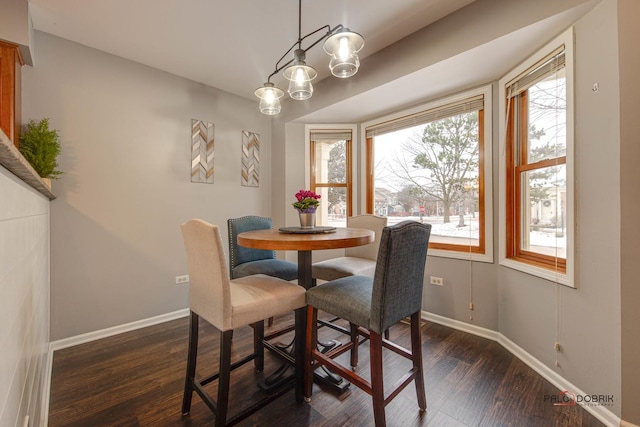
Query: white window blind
x=468 y=105
x=330 y=135
x=549 y=65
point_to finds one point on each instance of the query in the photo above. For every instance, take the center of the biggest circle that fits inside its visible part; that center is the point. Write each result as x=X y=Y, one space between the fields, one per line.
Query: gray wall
x=525 y=309
x=126 y=145
x=24 y=299
x=629 y=54
x=587 y=317
x=15 y=26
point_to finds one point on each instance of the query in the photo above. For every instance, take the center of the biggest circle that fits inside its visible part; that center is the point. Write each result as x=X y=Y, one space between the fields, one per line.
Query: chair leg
x=377 y=383
x=416 y=351
x=224 y=378
x=300 y=353
x=386 y=334
x=192 y=354
x=354 y=346
x=258 y=345
x=311 y=339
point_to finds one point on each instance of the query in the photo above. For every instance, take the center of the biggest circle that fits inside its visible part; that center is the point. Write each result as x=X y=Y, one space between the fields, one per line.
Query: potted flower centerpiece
x=306 y=204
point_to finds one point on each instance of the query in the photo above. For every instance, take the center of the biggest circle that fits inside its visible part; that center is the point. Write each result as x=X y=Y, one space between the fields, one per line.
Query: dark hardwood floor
x=136 y=379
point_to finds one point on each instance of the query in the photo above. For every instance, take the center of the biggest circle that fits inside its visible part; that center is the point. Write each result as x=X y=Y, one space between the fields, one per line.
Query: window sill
x=441 y=253
x=543 y=273
x=13 y=161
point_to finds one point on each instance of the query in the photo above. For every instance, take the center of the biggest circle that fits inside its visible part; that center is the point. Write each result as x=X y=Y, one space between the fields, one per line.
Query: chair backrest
x=239 y=254
x=370 y=222
x=399 y=276
x=209 y=284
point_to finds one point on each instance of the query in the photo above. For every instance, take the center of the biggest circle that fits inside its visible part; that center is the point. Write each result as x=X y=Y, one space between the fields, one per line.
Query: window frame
x=511 y=254
x=350 y=156
x=483 y=253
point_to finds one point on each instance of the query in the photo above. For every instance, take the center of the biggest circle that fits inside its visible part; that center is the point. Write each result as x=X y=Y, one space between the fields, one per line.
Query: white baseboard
x=92 y=336
x=600 y=412
x=115 y=330
x=461 y=326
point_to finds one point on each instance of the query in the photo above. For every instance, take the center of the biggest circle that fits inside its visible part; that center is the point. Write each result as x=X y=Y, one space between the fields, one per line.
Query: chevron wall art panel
x=250 y=159
x=202 y=153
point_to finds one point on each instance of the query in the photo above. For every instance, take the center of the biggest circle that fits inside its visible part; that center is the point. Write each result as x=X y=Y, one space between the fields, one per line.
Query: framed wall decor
x=250 y=174
x=202 y=151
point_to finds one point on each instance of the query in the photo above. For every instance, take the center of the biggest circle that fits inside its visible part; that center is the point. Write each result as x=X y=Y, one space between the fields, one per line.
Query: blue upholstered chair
x=246 y=261
x=229 y=304
x=371 y=305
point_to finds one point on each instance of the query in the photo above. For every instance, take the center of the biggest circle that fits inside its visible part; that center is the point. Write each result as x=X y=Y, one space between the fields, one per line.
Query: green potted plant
x=40 y=146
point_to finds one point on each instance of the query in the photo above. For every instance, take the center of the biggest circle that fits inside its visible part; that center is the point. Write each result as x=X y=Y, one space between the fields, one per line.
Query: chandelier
x=340 y=43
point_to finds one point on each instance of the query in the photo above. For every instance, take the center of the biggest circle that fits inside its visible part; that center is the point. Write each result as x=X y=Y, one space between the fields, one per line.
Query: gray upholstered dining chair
x=371 y=305
x=246 y=261
x=357 y=261
x=229 y=304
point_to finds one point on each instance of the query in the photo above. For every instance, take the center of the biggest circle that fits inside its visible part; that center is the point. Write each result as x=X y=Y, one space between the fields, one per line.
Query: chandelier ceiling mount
x=340 y=43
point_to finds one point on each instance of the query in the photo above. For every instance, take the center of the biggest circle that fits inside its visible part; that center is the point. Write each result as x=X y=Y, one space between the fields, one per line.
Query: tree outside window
x=432 y=172
x=331 y=175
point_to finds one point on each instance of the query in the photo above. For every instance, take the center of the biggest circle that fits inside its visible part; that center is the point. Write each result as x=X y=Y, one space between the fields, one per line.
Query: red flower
x=306 y=200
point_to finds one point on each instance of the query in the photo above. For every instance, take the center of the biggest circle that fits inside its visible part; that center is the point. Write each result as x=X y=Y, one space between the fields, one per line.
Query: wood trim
x=547 y=163
x=10 y=90
x=457 y=248
x=481 y=186
x=535 y=259
x=369 y=184
x=514 y=204
x=481 y=247
x=312 y=165
x=349 y=167
x=510 y=204
x=349 y=175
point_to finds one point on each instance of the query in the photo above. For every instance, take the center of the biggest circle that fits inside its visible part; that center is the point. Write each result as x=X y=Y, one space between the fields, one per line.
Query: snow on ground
x=547 y=238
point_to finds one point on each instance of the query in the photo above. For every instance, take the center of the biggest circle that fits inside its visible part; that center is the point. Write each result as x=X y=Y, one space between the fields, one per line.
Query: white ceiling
x=230 y=45
x=233 y=45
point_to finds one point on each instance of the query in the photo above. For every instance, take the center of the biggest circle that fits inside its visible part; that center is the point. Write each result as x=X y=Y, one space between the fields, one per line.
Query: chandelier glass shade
x=340 y=43
x=269 y=99
x=343 y=47
x=299 y=75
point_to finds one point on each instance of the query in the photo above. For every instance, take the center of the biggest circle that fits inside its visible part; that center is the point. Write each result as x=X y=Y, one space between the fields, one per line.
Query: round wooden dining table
x=305 y=243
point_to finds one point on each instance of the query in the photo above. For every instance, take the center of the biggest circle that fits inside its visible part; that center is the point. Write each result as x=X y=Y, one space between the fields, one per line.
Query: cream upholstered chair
x=229 y=304
x=357 y=261
x=371 y=305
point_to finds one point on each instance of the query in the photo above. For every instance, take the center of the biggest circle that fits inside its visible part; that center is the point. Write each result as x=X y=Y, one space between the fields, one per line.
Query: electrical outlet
x=438 y=281
x=182 y=279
